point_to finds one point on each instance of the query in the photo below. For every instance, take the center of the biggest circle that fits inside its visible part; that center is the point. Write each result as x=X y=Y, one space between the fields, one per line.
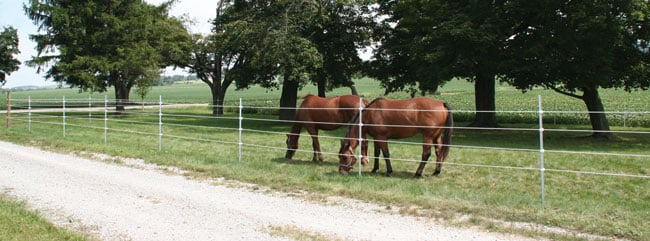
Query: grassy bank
x=16 y=223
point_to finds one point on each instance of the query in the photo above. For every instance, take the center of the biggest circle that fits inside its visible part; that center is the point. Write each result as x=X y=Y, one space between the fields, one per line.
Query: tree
x=206 y=63
x=8 y=48
x=576 y=48
x=424 y=44
x=288 y=44
x=269 y=42
x=337 y=30
x=223 y=57
x=94 y=45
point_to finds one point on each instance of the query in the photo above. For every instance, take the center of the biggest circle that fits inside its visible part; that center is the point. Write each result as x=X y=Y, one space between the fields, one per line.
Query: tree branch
x=564 y=92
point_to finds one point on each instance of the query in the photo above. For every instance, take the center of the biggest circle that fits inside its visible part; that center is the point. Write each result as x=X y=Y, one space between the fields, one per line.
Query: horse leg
x=439 y=157
x=384 y=149
x=389 y=167
x=318 y=156
x=426 y=153
x=364 y=151
x=377 y=151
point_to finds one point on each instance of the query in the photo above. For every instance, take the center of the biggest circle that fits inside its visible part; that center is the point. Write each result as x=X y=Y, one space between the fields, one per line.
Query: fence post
x=29 y=114
x=360 y=132
x=90 y=109
x=63 y=116
x=105 y=119
x=240 y=128
x=625 y=114
x=541 y=146
x=160 y=124
x=8 y=109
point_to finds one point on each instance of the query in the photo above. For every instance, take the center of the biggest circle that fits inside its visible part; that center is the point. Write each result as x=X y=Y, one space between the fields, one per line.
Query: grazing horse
x=385 y=119
x=318 y=113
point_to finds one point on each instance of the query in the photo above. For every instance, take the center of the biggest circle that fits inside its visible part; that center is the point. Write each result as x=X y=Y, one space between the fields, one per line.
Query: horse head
x=292 y=145
x=346 y=157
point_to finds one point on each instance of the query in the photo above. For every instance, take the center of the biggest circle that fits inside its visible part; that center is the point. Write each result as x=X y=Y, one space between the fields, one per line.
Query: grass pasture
x=591 y=186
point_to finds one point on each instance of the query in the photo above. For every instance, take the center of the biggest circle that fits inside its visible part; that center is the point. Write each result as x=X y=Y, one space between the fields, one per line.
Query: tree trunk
x=122 y=89
x=217 y=99
x=484 y=95
x=321 y=84
x=599 y=123
x=288 y=99
x=219 y=91
x=353 y=90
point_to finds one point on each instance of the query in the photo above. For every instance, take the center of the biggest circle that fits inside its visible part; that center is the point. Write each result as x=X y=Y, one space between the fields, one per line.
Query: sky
x=12 y=14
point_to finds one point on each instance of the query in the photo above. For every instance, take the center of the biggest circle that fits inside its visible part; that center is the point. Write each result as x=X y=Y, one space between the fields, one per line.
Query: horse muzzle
x=344 y=169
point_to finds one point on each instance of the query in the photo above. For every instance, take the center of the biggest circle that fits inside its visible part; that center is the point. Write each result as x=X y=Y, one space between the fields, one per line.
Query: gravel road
x=145 y=202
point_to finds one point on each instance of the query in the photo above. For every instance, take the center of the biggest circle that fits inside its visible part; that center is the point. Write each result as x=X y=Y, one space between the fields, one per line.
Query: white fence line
x=35 y=115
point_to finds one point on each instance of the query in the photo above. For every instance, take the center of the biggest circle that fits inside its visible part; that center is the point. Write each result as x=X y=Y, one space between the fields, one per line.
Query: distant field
x=459 y=93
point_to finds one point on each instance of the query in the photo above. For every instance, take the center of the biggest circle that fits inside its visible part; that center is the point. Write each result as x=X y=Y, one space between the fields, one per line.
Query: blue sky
x=12 y=14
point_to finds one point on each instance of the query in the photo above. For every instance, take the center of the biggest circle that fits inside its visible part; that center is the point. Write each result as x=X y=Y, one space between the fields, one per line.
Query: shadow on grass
x=283 y=160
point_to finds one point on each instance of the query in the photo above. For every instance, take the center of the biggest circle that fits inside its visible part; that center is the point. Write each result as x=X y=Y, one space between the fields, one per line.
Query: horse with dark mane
x=385 y=119
x=318 y=113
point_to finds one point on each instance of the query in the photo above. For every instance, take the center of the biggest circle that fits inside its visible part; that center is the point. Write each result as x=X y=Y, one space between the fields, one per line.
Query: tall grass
x=491 y=174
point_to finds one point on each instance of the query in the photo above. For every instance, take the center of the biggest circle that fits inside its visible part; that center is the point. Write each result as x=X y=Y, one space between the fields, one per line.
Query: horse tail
x=449 y=125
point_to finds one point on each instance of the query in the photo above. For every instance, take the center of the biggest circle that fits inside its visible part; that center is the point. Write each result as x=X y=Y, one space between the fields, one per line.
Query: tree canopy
x=291 y=43
x=576 y=47
x=93 y=45
x=8 y=50
x=426 y=43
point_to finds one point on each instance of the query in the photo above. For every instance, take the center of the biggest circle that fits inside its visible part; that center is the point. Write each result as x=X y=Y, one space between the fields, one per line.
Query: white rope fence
x=43 y=111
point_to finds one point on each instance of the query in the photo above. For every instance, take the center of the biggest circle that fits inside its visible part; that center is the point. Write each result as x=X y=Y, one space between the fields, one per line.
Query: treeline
x=170 y=80
x=574 y=48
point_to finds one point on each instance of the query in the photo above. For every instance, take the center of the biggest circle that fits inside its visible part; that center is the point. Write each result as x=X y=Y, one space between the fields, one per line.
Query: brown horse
x=385 y=119
x=318 y=113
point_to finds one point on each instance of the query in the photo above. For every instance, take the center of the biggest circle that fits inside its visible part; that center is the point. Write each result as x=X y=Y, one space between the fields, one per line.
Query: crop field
x=491 y=178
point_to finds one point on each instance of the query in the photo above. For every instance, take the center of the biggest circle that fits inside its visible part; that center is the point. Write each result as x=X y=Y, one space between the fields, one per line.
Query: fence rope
x=69 y=119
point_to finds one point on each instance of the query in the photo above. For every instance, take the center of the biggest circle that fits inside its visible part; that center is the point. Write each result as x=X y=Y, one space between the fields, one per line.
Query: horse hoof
x=417 y=176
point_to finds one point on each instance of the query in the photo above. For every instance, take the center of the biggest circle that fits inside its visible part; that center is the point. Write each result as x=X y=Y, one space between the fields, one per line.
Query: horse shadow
x=406 y=175
x=295 y=161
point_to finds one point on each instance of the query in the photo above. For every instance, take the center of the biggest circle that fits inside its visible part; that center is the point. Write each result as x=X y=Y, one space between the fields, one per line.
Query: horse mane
x=346 y=141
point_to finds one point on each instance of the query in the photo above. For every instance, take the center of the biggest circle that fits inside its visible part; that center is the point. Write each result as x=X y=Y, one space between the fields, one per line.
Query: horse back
x=330 y=112
x=404 y=118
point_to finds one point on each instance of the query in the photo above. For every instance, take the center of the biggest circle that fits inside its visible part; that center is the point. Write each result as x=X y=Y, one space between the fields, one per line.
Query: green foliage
x=427 y=43
x=99 y=44
x=575 y=46
x=8 y=48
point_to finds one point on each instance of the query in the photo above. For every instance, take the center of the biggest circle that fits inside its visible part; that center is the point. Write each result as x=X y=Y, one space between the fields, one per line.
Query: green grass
x=472 y=182
x=16 y=223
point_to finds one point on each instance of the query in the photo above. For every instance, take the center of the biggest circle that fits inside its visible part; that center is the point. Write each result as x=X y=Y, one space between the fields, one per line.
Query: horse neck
x=295 y=130
x=353 y=135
